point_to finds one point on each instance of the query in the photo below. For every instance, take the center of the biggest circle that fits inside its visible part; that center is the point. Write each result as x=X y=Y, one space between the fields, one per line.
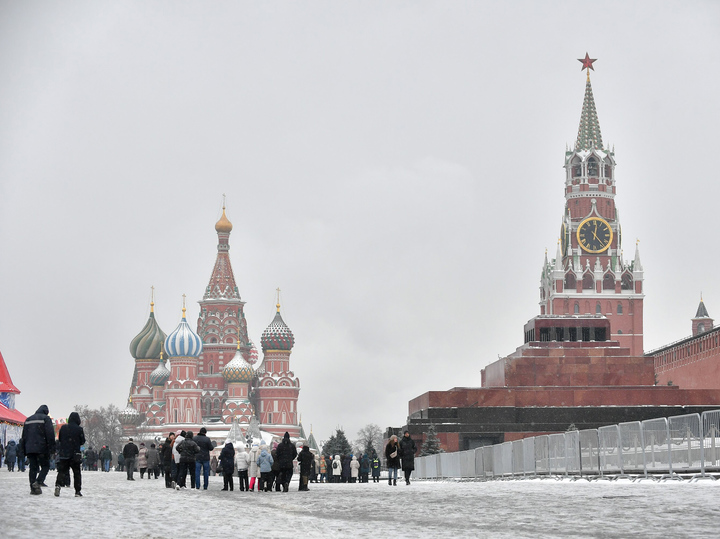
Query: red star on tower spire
x=587 y=63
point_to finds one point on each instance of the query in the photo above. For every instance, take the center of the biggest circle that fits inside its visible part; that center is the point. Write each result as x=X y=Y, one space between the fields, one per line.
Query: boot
x=389 y=481
x=394 y=482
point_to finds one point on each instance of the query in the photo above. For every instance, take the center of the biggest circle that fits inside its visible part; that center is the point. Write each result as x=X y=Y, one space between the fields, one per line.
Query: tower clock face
x=594 y=235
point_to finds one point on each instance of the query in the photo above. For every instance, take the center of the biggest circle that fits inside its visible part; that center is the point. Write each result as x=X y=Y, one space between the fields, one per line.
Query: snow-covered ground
x=115 y=507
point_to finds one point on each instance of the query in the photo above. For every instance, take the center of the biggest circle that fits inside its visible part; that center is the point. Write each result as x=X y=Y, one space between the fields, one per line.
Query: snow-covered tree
x=337 y=444
x=369 y=439
x=431 y=445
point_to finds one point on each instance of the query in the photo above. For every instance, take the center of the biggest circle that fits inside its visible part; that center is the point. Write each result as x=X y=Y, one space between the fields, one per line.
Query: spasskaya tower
x=588 y=275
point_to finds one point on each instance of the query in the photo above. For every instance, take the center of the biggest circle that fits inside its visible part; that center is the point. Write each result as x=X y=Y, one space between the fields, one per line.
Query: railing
x=686 y=444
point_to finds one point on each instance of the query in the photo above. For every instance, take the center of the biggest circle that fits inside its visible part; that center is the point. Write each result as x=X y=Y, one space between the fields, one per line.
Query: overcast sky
x=394 y=167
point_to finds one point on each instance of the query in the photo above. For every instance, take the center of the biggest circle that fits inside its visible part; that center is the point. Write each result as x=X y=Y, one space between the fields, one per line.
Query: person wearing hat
x=179 y=437
x=242 y=462
x=38 y=443
x=202 y=461
x=142 y=463
x=286 y=454
x=130 y=452
x=407 y=454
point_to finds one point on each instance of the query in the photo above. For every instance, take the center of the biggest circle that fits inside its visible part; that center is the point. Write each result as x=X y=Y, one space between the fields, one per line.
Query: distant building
x=213 y=378
x=582 y=363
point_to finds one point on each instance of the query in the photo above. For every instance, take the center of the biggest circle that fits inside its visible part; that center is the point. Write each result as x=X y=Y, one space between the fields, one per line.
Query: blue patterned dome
x=238 y=370
x=277 y=336
x=160 y=375
x=183 y=342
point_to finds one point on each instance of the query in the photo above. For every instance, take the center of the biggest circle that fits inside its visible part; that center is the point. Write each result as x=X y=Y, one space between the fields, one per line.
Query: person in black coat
x=130 y=453
x=392 y=458
x=166 y=457
x=37 y=442
x=346 y=460
x=188 y=450
x=227 y=463
x=286 y=453
x=11 y=455
x=306 y=460
x=70 y=440
x=202 y=461
x=407 y=454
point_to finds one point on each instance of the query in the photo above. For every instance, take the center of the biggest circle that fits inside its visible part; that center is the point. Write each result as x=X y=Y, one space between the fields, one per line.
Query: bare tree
x=102 y=427
x=369 y=439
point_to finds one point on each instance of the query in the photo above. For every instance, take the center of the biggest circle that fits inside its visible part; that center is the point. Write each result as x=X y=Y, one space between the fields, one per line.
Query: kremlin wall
x=582 y=364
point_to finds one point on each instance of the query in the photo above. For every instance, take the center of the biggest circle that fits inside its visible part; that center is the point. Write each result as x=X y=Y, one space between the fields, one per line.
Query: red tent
x=6 y=385
x=11 y=416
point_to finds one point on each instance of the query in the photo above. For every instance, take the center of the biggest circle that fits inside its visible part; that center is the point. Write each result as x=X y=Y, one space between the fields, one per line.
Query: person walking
x=121 y=462
x=130 y=453
x=407 y=454
x=105 y=458
x=286 y=453
x=227 y=465
x=37 y=442
x=392 y=457
x=275 y=470
x=153 y=462
x=264 y=462
x=142 y=459
x=166 y=457
x=188 y=450
x=11 y=455
x=323 y=469
x=70 y=439
x=306 y=460
x=364 y=468
x=202 y=461
x=242 y=462
x=179 y=437
x=354 y=469
x=253 y=470
x=336 y=469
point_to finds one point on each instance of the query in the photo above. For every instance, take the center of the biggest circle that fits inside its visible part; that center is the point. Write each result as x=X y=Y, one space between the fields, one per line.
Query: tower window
x=598 y=308
x=576 y=310
x=592 y=167
x=619 y=309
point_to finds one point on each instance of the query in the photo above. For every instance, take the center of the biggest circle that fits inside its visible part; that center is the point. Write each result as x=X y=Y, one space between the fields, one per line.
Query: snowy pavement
x=115 y=507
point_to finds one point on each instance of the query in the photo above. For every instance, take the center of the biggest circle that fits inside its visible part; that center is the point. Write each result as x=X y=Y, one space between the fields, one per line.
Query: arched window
x=627 y=282
x=592 y=167
x=619 y=309
x=576 y=168
x=619 y=331
x=570 y=281
x=576 y=310
x=701 y=328
x=211 y=368
x=609 y=281
x=588 y=281
x=598 y=309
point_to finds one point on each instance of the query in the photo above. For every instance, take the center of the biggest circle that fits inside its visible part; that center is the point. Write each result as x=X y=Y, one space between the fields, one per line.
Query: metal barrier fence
x=682 y=444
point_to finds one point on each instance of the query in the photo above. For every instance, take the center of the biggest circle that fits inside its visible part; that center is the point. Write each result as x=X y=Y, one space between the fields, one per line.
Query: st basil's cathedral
x=212 y=377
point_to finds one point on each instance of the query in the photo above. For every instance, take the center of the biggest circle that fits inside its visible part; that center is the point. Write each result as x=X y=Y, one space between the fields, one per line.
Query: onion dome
x=238 y=370
x=160 y=375
x=224 y=224
x=129 y=416
x=277 y=336
x=183 y=342
x=148 y=344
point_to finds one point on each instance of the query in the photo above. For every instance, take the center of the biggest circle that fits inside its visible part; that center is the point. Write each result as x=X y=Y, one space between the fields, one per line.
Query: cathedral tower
x=588 y=275
x=146 y=348
x=221 y=325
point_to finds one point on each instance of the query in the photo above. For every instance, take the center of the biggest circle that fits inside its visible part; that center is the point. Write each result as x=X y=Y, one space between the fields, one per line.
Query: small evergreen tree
x=431 y=445
x=337 y=444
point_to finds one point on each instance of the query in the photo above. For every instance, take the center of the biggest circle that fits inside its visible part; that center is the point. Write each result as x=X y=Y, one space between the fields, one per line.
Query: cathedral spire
x=222 y=281
x=589 y=136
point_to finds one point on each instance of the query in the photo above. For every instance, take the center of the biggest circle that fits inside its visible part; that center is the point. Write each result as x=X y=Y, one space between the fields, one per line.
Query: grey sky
x=394 y=167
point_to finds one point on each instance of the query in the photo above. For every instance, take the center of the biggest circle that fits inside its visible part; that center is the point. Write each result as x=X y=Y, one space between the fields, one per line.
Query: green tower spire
x=589 y=136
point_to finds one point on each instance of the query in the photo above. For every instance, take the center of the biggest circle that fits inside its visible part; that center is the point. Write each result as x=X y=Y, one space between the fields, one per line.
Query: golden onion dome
x=224 y=224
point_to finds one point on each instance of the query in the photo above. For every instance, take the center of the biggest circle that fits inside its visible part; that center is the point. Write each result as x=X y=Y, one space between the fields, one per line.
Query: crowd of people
x=183 y=453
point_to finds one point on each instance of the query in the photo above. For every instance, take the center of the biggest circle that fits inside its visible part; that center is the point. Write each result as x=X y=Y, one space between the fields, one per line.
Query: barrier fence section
x=681 y=444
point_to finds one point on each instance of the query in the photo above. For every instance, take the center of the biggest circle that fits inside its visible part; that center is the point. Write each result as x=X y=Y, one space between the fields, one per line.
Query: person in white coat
x=336 y=469
x=354 y=469
x=253 y=470
x=242 y=462
x=179 y=437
